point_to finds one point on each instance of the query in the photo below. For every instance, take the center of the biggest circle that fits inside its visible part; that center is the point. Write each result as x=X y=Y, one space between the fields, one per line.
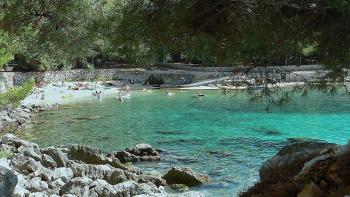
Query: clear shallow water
x=226 y=137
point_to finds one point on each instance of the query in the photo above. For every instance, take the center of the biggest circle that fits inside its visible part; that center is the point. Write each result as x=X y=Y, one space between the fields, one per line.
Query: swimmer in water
x=200 y=94
x=119 y=97
x=98 y=94
x=168 y=93
x=127 y=88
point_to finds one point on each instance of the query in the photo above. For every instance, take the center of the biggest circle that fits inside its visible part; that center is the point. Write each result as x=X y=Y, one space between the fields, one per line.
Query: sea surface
x=224 y=135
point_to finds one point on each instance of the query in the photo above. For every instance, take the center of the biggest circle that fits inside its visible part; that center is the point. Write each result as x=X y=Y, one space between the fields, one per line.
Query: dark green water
x=226 y=137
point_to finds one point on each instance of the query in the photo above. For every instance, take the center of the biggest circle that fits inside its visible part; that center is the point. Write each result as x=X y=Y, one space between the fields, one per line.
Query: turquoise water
x=224 y=136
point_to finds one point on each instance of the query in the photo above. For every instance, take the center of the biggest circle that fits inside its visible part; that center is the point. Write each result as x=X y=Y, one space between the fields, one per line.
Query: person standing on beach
x=14 y=80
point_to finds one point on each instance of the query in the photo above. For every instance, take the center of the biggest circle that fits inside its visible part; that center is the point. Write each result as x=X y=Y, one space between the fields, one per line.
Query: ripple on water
x=251 y=142
x=172 y=132
x=191 y=141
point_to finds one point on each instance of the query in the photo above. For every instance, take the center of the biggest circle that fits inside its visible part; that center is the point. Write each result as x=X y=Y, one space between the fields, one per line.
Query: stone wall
x=201 y=68
x=300 y=76
x=9 y=79
x=6 y=80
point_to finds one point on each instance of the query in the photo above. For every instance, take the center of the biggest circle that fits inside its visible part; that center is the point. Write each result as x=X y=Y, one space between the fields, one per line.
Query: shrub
x=5 y=154
x=15 y=95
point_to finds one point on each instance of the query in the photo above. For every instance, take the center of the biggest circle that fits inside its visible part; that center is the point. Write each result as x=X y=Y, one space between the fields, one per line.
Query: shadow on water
x=266 y=131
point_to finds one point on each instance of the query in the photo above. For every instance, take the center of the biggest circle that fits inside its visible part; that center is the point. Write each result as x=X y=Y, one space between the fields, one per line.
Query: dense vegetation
x=15 y=95
x=56 y=34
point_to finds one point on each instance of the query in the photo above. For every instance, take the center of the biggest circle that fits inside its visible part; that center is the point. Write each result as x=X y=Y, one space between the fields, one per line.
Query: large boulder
x=83 y=186
x=48 y=161
x=185 y=176
x=155 y=179
x=30 y=149
x=36 y=185
x=55 y=186
x=129 y=188
x=290 y=159
x=86 y=154
x=140 y=152
x=91 y=155
x=78 y=186
x=65 y=174
x=8 y=181
x=57 y=155
x=12 y=140
x=25 y=164
x=104 y=172
x=20 y=190
x=24 y=147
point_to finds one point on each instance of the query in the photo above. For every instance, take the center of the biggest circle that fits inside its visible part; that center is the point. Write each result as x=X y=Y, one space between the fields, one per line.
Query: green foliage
x=53 y=34
x=15 y=95
x=5 y=154
x=5 y=54
x=44 y=35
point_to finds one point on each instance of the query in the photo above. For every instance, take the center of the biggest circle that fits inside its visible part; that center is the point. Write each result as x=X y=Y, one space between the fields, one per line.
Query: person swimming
x=120 y=97
x=168 y=93
x=200 y=94
x=98 y=94
x=127 y=88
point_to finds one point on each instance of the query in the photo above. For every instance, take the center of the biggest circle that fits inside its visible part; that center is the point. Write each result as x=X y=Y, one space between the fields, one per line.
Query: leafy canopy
x=60 y=34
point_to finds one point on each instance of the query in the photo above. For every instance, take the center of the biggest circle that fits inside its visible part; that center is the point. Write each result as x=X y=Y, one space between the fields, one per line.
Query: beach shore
x=53 y=94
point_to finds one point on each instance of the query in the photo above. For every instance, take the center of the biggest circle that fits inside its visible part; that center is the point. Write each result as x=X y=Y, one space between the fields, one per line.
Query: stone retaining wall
x=201 y=68
x=9 y=79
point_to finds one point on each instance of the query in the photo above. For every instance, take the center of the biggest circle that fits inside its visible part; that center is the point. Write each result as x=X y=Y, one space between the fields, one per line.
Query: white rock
x=38 y=194
x=4 y=163
x=36 y=185
x=62 y=173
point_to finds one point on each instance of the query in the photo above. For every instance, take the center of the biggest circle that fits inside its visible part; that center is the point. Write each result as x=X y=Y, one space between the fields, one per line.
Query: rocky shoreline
x=13 y=119
x=79 y=170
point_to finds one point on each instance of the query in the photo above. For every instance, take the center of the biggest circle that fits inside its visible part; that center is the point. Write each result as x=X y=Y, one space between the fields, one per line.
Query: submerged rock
x=179 y=187
x=219 y=153
x=140 y=152
x=185 y=176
